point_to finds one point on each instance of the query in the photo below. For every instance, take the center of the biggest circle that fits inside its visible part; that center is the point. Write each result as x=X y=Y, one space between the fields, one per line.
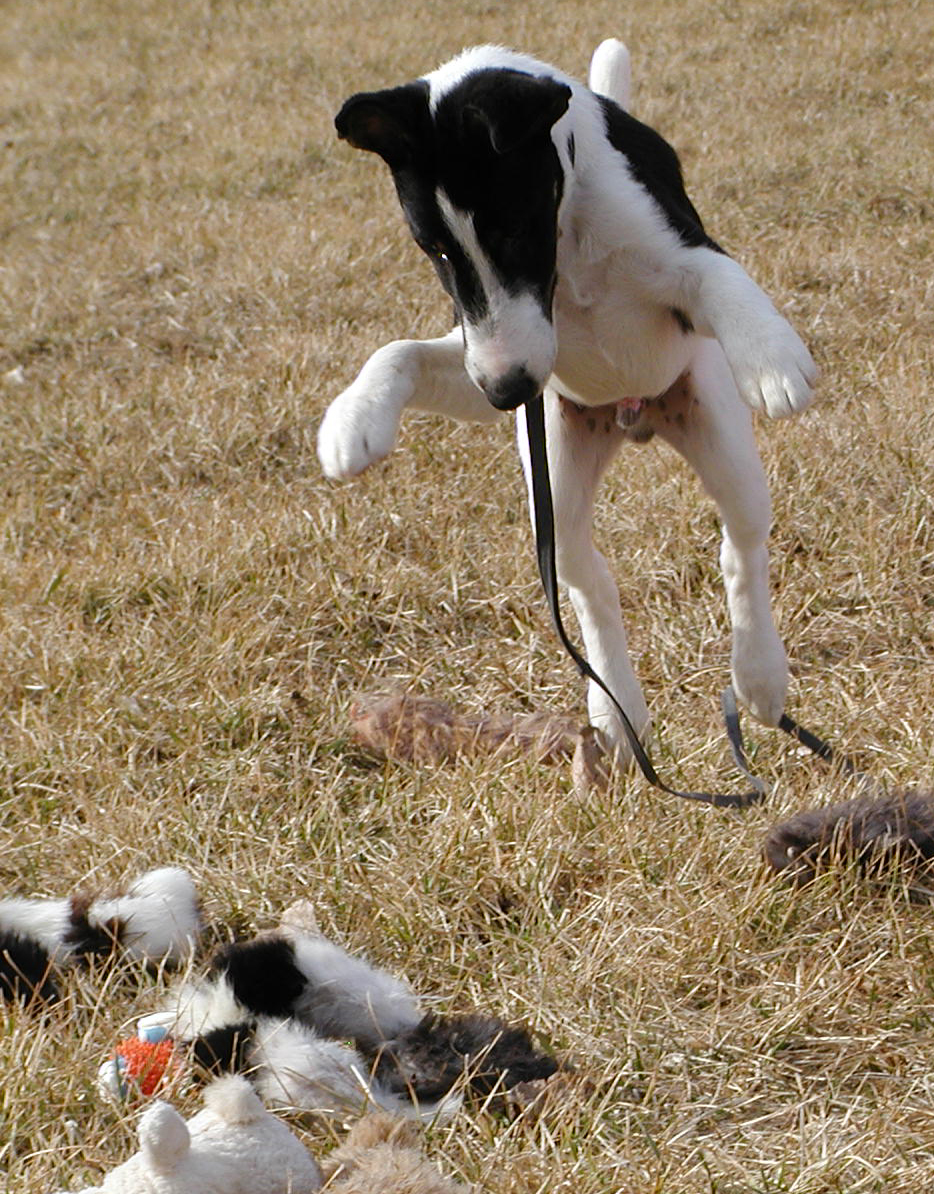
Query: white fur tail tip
x=233 y=1100
x=611 y=72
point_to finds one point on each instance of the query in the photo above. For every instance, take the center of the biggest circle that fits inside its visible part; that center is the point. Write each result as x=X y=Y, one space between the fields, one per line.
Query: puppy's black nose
x=513 y=390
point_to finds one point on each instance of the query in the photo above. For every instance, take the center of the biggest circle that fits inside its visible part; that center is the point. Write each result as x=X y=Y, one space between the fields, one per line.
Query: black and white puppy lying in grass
x=157 y=920
x=283 y=1006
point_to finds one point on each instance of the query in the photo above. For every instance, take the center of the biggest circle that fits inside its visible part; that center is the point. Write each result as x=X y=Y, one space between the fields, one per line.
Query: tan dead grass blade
x=191 y=267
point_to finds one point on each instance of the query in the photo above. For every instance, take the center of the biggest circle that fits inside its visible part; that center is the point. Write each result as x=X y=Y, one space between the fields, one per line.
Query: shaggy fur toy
x=317 y=983
x=233 y=1146
x=157 y=920
x=289 y=1063
x=381 y=1156
x=873 y=832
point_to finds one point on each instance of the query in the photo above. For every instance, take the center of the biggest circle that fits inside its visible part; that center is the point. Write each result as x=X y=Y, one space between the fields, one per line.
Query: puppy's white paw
x=760 y=677
x=355 y=433
x=773 y=369
x=605 y=719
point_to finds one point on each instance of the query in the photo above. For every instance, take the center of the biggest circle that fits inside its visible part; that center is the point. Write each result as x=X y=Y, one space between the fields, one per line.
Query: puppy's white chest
x=613 y=343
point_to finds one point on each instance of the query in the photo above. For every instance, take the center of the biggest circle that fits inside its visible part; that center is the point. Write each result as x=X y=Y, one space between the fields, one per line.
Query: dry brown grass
x=191 y=267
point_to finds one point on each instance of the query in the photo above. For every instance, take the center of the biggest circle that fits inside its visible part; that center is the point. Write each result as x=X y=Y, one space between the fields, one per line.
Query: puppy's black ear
x=513 y=108
x=390 y=123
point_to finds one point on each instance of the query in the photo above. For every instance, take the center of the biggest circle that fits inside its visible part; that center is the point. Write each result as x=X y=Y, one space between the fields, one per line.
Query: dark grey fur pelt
x=874 y=832
x=429 y=1059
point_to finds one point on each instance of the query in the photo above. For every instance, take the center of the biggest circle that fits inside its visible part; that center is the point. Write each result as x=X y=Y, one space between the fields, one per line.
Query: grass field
x=191 y=266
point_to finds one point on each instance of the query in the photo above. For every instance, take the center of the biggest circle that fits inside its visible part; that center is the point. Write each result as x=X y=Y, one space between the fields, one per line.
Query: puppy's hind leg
x=361 y=425
x=703 y=417
x=581 y=443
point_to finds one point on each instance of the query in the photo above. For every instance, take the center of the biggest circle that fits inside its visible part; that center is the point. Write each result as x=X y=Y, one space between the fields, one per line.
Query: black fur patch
x=25 y=970
x=262 y=974
x=222 y=1050
x=656 y=167
x=397 y=124
x=430 y=1058
x=86 y=940
x=873 y=832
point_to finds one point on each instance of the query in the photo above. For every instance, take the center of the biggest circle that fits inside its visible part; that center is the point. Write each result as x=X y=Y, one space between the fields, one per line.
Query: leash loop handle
x=544 y=518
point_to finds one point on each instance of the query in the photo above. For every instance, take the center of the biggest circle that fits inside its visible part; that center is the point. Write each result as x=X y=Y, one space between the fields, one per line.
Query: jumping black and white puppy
x=156 y=920
x=560 y=226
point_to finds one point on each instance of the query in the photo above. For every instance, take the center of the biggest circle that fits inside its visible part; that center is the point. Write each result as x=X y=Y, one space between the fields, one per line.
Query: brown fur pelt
x=381 y=1156
x=440 y=1051
x=423 y=730
x=872 y=831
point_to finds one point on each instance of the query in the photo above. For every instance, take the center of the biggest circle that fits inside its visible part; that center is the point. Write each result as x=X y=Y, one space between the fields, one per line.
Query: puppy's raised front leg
x=361 y=424
x=581 y=443
x=773 y=370
x=703 y=418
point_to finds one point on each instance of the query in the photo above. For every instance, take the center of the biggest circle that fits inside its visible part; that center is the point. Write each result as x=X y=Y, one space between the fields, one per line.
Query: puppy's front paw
x=773 y=369
x=355 y=433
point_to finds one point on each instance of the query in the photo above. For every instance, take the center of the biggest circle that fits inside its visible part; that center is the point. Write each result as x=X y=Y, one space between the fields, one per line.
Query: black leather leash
x=543 y=513
x=821 y=748
x=808 y=738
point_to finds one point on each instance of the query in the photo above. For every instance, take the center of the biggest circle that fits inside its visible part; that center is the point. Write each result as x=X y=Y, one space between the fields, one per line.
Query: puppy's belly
x=598 y=365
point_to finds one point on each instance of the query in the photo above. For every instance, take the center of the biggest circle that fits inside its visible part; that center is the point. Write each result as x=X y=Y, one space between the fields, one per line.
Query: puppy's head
x=475 y=161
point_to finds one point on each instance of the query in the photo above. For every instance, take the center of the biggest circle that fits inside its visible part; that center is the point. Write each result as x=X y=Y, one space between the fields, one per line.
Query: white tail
x=611 y=72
